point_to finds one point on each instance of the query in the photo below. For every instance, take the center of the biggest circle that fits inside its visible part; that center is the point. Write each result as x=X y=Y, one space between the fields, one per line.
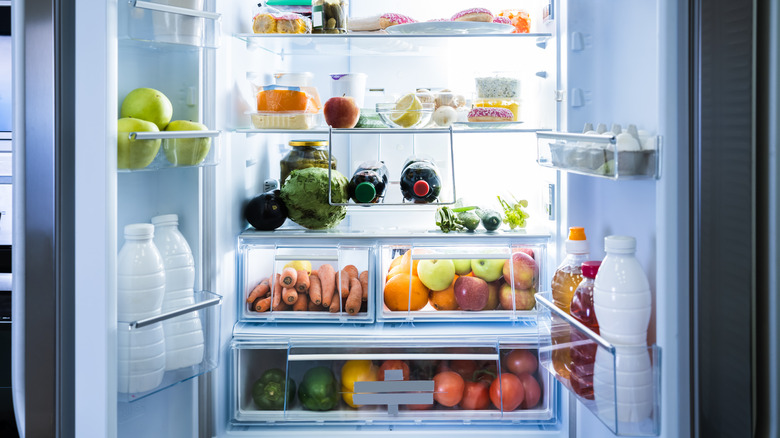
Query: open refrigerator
x=594 y=62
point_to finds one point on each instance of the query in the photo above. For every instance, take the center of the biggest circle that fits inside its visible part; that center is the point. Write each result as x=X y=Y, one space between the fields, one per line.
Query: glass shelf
x=158 y=22
x=620 y=385
x=461 y=129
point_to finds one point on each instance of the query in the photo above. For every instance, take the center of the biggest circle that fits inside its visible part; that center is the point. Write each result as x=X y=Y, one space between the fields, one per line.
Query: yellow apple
x=135 y=154
x=186 y=151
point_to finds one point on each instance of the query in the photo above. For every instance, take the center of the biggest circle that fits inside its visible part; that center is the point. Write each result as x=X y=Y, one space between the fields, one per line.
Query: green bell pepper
x=319 y=390
x=269 y=390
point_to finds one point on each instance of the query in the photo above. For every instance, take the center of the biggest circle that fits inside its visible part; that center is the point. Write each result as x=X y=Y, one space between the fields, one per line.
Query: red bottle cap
x=421 y=188
x=590 y=268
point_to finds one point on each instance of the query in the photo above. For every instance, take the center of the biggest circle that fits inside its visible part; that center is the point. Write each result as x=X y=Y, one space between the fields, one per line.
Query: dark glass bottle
x=420 y=181
x=369 y=183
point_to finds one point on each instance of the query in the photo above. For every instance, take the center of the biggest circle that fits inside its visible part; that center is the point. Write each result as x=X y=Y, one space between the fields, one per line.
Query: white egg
x=627 y=142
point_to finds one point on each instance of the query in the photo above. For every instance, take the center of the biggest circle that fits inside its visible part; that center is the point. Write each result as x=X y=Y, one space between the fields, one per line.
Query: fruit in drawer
x=356 y=371
x=436 y=274
x=507 y=392
x=532 y=391
x=524 y=299
x=487 y=269
x=393 y=365
x=135 y=153
x=476 y=395
x=444 y=299
x=299 y=265
x=397 y=293
x=462 y=266
x=402 y=266
x=494 y=290
x=521 y=362
x=147 y=104
x=341 y=112
x=522 y=270
x=471 y=293
x=319 y=390
x=271 y=389
x=448 y=388
x=186 y=151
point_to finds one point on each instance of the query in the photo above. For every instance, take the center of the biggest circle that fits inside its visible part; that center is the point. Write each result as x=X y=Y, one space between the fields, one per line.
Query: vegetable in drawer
x=271 y=389
x=319 y=390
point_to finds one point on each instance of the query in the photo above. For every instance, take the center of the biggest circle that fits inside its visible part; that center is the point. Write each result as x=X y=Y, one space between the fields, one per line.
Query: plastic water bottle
x=420 y=180
x=183 y=334
x=621 y=294
x=369 y=183
x=140 y=291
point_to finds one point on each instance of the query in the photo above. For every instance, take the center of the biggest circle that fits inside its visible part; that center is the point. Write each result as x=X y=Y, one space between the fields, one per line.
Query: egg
x=627 y=142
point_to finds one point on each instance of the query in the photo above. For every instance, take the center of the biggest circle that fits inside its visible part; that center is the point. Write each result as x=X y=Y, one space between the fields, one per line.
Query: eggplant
x=266 y=212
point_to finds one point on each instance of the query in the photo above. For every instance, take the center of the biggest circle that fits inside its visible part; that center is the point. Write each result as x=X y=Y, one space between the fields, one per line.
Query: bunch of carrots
x=300 y=291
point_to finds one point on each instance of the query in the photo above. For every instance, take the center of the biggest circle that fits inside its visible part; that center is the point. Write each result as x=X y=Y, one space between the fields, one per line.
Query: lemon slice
x=407 y=111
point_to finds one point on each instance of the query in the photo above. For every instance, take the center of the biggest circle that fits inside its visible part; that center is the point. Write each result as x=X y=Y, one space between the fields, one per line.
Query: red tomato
x=465 y=368
x=448 y=388
x=533 y=392
x=506 y=392
x=486 y=372
x=521 y=361
x=475 y=396
x=393 y=365
x=419 y=407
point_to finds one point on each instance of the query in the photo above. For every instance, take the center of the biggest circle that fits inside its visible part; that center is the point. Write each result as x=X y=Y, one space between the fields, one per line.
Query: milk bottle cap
x=577 y=243
x=620 y=244
x=139 y=231
x=166 y=219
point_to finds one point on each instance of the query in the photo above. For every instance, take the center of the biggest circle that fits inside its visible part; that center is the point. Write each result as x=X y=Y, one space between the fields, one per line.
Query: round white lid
x=139 y=230
x=620 y=243
x=166 y=219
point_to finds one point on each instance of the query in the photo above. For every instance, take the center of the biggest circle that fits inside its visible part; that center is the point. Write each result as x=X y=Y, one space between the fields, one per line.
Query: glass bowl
x=405 y=119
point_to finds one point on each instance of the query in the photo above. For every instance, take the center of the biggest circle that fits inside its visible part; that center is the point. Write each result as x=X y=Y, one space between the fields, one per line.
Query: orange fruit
x=444 y=299
x=395 y=262
x=397 y=292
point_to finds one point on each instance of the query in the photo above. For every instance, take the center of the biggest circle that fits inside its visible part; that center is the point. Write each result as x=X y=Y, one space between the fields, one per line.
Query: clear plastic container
x=583 y=352
x=329 y=16
x=284 y=119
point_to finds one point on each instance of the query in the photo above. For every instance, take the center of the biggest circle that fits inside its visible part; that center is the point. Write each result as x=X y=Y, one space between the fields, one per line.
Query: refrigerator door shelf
x=259 y=261
x=430 y=283
x=181 y=22
x=599 y=155
x=622 y=384
x=207 y=307
x=180 y=149
x=408 y=369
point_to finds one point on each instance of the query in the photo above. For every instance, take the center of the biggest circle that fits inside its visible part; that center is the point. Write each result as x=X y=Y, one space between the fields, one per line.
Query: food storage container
x=329 y=16
x=303 y=154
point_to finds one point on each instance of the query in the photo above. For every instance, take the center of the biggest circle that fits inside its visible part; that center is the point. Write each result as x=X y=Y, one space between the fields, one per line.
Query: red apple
x=533 y=391
x=341 y=112
x=528 y=251
x=471 y=293
x=523 y=268
x=493 y=288
x=524 y=299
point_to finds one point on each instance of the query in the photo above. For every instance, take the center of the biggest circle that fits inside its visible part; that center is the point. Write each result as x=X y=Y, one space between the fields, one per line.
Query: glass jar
x=305 y=153
x=329 y=16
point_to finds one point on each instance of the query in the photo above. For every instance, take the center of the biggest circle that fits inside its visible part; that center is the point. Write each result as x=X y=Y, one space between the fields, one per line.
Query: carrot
x=355 y=298
x=363 y=277
x=301 y=304
x=345 y=277
x=315 y=289
x=260 y=291
x=276 y=294
x=289 y=277
x=327 y=278
x=282 y=307
x=302 y=282
x=289 y=295
x=314 y=307
x=262 y=304
x=335 y=305
x=352 y=270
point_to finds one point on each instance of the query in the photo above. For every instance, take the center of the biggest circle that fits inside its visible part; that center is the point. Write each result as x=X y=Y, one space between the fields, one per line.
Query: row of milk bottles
x=155 y=275
x=613 y=299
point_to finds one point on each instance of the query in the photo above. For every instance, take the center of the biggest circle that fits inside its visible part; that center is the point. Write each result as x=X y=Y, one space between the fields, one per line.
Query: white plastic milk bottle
x=183 y=334
x=140 y=291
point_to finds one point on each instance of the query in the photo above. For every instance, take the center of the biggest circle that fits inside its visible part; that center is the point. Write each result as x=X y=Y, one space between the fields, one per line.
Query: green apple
x=488 y=269
x=436 y=274
x=135 y=154
x=462 y=266
x=147 y=104
x=186 y=151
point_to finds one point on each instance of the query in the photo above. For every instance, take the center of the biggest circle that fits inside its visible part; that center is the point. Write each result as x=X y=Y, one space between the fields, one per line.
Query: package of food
x=494 y=85
x=270 y=20
x=519 y=18
x=510 y=104
x=284 y=119
x=272 y=98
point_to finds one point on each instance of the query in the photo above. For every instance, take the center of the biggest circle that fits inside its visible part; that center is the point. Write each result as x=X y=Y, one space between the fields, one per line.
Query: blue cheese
x=497 y=86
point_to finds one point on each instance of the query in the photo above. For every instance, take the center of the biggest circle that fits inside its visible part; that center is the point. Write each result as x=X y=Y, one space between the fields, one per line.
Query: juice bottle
x=583 y=353
x=565 y=281
x=420 y=181
x=369 y=182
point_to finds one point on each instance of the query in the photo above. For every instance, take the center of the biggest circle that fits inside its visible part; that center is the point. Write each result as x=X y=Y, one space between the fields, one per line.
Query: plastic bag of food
x=270 y=20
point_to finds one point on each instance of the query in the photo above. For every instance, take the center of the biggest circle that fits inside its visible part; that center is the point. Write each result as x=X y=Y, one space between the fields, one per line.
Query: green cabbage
x=305 y=193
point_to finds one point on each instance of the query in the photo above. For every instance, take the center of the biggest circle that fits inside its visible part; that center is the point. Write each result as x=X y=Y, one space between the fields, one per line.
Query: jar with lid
x=329 y=16
x=305 y=153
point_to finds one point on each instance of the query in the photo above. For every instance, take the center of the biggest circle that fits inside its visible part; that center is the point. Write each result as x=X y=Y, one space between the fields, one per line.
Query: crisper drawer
x=461 y=281
x=398 y=381
x=159 y=352
x=298 y=282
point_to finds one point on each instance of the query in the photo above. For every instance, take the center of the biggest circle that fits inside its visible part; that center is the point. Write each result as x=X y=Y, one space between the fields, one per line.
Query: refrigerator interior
x=616 y=66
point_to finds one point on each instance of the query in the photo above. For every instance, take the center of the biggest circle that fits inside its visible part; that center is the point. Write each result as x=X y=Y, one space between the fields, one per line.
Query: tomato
x=355 y=371
x=521 y=361
x=506 y=392
x=448 y=388
x=486 y=372
x=475 y=396
x=533 y=392
x=465 y=368
x=393 y=365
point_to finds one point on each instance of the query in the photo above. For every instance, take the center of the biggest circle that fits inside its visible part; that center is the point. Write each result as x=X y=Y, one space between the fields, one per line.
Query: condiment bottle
x=420 y=181
x=369 y=182
x=583 y=352
x=305 y=153
x=565 y=281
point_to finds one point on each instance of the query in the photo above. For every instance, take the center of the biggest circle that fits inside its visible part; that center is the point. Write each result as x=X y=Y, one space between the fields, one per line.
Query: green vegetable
x=305 y=193
x=319 y=390
x=514 y=215
x=491 y=219
x=269 y=390
x=370 y=120
x=469 y=219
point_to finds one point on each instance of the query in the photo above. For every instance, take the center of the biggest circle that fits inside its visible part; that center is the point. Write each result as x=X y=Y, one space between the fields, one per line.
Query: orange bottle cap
x=577 y=233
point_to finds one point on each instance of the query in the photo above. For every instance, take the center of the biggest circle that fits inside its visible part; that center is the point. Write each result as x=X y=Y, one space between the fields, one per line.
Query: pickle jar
x=329 y=16
x=305 y=153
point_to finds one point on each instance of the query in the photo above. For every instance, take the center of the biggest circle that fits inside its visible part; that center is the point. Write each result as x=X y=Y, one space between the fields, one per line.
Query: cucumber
x=469 y=219
x=491 y=220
